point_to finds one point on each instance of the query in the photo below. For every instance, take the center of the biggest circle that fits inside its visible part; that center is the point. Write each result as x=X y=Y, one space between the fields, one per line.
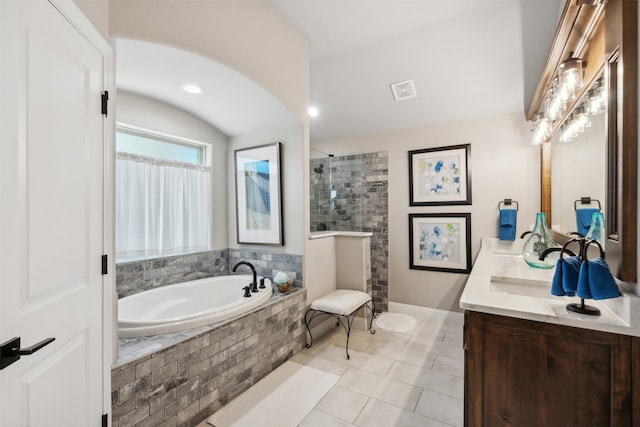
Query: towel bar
x=508 y=202
x=586 y=201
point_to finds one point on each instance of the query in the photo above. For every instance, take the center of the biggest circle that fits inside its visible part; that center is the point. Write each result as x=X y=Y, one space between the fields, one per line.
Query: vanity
x=530 y=362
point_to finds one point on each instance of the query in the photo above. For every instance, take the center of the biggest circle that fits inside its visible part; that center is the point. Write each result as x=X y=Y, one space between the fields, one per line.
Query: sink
x=506 y=247
x=519 y=286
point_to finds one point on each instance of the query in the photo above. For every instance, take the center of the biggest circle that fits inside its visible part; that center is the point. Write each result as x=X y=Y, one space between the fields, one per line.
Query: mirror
x=578 y=166
x=603 y=41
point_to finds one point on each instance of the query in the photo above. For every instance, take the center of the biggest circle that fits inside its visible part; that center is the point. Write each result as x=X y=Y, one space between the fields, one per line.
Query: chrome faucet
x=254 y=283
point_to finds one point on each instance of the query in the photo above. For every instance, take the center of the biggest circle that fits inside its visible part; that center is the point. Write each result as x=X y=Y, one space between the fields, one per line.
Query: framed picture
x=440 y=242
x=440 y=176
x=258 y=194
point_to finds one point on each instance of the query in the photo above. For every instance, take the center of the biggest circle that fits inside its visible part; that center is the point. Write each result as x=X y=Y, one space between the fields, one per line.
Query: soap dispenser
x=539 y=240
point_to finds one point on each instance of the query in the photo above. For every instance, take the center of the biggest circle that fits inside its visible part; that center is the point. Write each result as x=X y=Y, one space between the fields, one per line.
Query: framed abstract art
x=440 y=176
x=258 y=194
x=440 y=242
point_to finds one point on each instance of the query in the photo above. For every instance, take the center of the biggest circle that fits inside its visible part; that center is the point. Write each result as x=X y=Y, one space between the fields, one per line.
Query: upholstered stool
x=343 y=305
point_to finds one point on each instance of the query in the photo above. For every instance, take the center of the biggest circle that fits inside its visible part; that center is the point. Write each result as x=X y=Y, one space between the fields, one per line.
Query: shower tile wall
x=342 y=176
x=375 y=218
x=138 y=276
x=361 y=204
x=319 y=203
x=346 y=181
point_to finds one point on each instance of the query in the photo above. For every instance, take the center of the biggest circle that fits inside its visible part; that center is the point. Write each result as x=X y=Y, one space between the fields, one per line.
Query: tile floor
x=392 y=379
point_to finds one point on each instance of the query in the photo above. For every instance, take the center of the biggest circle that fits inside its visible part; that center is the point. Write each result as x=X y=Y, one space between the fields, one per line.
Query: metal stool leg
x=345 y=320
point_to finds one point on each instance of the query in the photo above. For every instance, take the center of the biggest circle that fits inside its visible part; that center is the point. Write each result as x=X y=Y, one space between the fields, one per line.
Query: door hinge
x=105 y=420
x=105 y=102
x=105 y=264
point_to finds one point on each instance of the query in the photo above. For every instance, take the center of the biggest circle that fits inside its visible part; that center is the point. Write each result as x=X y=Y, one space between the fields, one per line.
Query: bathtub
x=187 y=305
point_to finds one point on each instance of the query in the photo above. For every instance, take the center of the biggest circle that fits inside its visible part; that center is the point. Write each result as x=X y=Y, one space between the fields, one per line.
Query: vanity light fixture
x=593 y=103
x=556 y=100
x=562 y=90
x=575 y=124
x=540 y=129
x=313 y=111
x=571 y=73
x=582 y=118
x=596 y=99
x=191 y=88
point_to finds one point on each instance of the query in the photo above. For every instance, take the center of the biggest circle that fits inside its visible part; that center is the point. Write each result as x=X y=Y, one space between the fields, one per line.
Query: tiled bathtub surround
x=267 y=264
x=138 y=276
x=182 y=384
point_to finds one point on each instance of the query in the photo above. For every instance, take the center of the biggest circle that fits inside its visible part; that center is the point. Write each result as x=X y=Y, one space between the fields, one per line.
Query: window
x=163 y=195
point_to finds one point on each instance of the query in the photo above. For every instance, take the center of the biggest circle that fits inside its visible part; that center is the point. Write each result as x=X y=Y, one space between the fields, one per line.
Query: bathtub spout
x=254 y=284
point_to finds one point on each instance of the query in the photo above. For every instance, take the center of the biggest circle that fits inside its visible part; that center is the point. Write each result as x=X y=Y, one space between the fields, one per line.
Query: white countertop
x=502 y=283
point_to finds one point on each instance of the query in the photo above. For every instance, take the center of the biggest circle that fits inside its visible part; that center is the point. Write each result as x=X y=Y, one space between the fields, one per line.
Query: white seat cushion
x=341 y=302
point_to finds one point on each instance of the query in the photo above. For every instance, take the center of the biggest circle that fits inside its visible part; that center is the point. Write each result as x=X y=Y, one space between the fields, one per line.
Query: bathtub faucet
x=254 y=284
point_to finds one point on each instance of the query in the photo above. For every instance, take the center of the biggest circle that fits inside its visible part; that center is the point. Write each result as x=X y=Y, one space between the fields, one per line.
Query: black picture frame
x=440 y=176
x=259 y=213
x=440 y=242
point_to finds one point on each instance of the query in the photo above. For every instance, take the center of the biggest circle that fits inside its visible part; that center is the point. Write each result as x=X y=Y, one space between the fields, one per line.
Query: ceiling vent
x=403 y=90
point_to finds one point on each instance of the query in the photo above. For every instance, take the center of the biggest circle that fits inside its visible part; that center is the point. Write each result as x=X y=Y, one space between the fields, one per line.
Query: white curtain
x=162 y=207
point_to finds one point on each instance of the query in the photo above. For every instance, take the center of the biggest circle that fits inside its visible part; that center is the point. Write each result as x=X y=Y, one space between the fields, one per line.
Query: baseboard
x=419 y=311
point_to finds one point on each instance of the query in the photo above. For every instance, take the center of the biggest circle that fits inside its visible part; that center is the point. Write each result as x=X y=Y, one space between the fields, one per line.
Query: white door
x=51 y=207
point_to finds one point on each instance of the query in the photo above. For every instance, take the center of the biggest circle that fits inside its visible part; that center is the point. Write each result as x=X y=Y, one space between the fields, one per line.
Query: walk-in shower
x=336 y=191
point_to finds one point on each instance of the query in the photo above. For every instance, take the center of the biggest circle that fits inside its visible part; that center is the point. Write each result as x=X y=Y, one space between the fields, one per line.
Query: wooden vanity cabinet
x=527 y=373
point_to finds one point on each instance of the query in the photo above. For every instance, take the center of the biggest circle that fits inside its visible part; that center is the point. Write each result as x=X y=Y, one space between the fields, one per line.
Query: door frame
x=109 y=307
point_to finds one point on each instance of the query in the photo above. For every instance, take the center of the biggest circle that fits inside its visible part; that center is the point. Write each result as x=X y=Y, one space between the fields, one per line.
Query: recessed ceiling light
x=192 y=89
x=313 y=111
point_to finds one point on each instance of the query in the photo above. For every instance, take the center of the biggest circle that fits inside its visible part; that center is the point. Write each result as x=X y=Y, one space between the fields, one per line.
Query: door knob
x=10 y=351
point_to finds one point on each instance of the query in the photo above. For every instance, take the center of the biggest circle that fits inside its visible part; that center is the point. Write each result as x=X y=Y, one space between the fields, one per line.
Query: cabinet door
x=635 y=380
x=528 y=373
